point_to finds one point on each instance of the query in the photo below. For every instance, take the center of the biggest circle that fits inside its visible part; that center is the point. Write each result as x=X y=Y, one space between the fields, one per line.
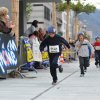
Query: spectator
x=6 y=25
x=32 y=28
x=42 y=34
x=35 y=48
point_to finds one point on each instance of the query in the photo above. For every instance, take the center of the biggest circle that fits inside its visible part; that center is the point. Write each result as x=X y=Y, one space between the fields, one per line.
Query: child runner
x=97 y=52
x=83 y=53
x=54 y=46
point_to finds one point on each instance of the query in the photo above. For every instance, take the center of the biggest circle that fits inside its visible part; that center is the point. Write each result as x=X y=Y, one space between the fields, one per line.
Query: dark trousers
x=97 y=57
x=84 y=63
x=53 y=58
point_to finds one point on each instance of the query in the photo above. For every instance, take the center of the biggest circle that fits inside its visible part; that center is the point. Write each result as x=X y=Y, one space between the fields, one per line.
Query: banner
x=28 y=48
x=8 y=54
x=45 y=56
x=37 y=54
x=36 y=51
x=29 y=51
x=65 y=53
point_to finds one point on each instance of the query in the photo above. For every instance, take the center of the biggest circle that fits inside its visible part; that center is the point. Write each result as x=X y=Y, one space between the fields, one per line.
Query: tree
x=77 y=8
x=28 y=9
x=87 y=36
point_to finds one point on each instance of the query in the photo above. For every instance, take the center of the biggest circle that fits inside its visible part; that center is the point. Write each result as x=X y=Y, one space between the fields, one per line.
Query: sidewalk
x=69 y=87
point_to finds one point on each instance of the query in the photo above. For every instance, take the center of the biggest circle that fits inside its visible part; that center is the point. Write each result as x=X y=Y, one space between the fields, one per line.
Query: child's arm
x=77 y=46
x=91 y=47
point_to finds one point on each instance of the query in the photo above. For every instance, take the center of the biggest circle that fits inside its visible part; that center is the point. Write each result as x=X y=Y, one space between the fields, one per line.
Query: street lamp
x=68 y=20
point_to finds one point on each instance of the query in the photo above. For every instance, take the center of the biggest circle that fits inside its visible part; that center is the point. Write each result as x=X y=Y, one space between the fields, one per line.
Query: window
x=37 y=4
x=46 y=13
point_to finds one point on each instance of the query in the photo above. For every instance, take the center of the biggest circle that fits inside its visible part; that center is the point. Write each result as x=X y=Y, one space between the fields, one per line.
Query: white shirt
x=83 y=51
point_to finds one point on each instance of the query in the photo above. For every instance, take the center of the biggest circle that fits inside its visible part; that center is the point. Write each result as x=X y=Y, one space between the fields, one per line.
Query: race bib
x=97 y=47
x=54 y=49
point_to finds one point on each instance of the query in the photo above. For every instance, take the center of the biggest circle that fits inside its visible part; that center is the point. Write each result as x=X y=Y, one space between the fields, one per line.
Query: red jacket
x=97 y=45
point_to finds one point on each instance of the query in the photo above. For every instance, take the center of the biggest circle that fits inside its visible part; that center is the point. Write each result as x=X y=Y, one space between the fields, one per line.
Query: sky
x=95 y=2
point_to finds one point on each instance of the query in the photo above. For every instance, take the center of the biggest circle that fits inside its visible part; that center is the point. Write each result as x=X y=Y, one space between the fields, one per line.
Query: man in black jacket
x=54 y=46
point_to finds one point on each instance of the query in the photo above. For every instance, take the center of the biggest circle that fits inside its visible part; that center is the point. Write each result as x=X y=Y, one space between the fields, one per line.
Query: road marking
x=53 y=86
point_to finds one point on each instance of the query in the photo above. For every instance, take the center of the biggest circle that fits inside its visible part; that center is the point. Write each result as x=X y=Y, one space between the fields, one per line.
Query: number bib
x=54 y=49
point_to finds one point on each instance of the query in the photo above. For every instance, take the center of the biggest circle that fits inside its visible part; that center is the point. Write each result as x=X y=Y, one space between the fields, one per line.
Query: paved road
x=69 y=87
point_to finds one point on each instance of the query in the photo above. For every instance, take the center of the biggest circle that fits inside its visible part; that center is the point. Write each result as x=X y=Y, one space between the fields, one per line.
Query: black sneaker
x=82 y=75
x=54 y=82
x=96 y=66
x=60 y=69
x=85 y=70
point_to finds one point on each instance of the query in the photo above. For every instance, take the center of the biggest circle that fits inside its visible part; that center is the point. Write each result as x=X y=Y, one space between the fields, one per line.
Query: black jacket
x=56 y=40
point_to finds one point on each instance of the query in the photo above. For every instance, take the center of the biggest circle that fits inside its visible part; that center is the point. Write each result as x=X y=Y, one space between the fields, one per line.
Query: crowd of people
x=53 y=43
x=82 y=47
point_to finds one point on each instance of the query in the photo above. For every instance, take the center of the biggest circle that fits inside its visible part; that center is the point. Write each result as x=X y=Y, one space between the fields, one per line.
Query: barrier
x=66 y=53
x=27 y=55
x=25 y=51
x=11 y=59
x=8 y=54
x=31 y=50
x=45 y=56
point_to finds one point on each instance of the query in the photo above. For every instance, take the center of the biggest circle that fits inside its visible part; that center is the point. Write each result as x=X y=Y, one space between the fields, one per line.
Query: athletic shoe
x=60 y=69
x=54 y=82
x=85 y=70
x=97 y=66
x=82 y=75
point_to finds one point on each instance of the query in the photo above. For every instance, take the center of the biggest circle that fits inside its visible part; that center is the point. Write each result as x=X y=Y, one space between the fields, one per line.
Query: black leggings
x=53 y=58
x=97 y=57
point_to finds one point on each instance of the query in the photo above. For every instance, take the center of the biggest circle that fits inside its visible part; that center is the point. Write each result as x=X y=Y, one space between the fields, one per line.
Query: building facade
x=43 y=13
x=64 y=22
x=63 y=29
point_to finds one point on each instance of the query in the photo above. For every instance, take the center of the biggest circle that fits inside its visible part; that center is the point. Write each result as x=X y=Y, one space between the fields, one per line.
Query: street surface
x=70 y=85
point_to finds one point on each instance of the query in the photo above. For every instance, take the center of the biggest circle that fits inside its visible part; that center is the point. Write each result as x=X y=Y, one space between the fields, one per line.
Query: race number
x=54 y=49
